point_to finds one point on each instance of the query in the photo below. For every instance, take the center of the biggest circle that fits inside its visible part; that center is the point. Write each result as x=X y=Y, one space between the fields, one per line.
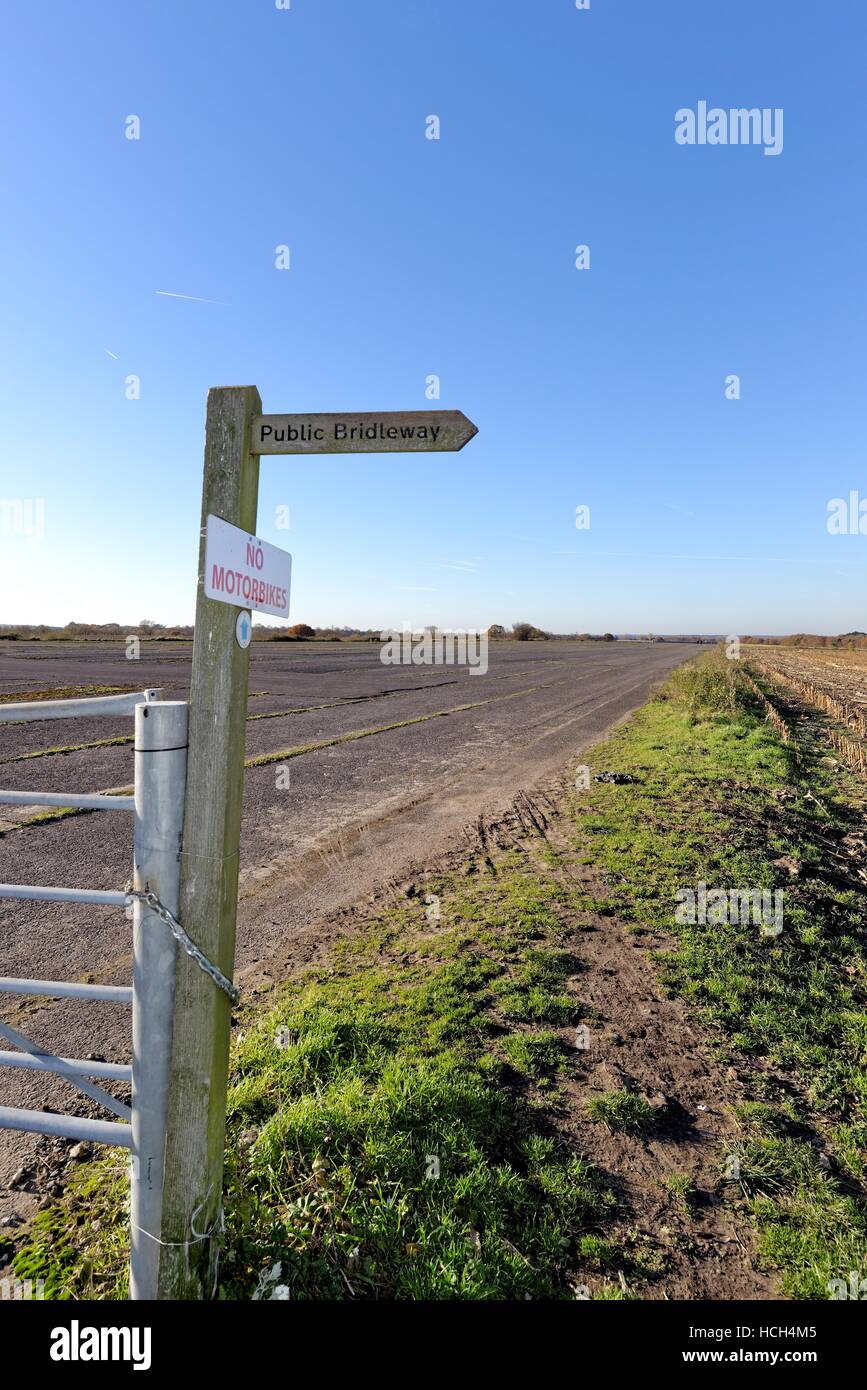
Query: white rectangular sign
x=244 y=571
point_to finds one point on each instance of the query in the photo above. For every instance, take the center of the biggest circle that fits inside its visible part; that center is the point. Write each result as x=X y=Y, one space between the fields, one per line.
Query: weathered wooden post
x=209 y=870
x=236 y=572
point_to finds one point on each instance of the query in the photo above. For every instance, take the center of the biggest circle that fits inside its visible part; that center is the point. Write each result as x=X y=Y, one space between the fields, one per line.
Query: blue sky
x=410 y=257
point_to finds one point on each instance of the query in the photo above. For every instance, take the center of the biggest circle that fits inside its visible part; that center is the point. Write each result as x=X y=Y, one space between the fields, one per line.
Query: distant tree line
x=94 y=632
x=149 y=630
x=528 y=632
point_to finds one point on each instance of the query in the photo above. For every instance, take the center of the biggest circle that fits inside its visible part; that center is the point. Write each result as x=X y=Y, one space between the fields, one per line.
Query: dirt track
x=355 y=815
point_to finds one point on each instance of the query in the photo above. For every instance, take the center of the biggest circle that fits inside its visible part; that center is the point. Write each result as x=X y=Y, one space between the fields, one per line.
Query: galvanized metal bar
x=67 y=1126
x=160 y=777
x=86 y=1087
x=87 y=708
x=60 y=989
x=27 y=891
x=98 y=801
x=26 y=1061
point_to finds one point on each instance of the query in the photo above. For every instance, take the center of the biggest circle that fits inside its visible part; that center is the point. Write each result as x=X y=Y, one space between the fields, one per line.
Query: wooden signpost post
x=236 y=433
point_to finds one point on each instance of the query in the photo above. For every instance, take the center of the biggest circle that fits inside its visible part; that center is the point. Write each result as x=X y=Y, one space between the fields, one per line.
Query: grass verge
x=720 y=800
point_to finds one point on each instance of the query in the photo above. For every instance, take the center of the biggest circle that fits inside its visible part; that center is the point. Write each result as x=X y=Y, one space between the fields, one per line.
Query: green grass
x=70 y=748
x=682 y=1191
x=534 y=1055
x=622 y=1112
x=387 y=1138
x=811 y=1227
x=80 y=1246
x=707 y=687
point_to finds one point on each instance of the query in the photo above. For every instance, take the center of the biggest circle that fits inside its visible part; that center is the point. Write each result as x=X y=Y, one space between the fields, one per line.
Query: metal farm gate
x=157 y=808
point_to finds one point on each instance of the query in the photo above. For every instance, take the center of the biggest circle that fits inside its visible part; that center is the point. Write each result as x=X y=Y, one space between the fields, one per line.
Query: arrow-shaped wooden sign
x=395 y=431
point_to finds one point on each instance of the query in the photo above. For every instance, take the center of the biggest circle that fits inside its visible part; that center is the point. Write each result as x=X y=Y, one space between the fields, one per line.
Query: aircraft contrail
x=170 y=295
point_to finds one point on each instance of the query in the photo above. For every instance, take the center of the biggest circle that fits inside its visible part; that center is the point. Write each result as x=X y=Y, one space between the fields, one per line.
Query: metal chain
x=184 y=941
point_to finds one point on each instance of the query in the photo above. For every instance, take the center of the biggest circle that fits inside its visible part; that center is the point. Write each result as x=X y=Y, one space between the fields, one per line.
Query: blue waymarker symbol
x=243 y=629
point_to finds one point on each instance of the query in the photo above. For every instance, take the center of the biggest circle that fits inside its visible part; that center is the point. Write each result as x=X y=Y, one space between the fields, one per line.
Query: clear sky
x=410 y=257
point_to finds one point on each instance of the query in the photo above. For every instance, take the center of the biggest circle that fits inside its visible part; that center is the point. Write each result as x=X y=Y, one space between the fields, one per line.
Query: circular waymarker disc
x=244 y=629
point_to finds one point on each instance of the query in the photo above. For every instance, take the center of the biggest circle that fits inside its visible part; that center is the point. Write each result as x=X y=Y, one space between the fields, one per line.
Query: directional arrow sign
x=395 y=431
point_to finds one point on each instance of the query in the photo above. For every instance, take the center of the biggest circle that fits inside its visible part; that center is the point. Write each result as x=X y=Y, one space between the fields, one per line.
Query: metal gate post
x=160 y=777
